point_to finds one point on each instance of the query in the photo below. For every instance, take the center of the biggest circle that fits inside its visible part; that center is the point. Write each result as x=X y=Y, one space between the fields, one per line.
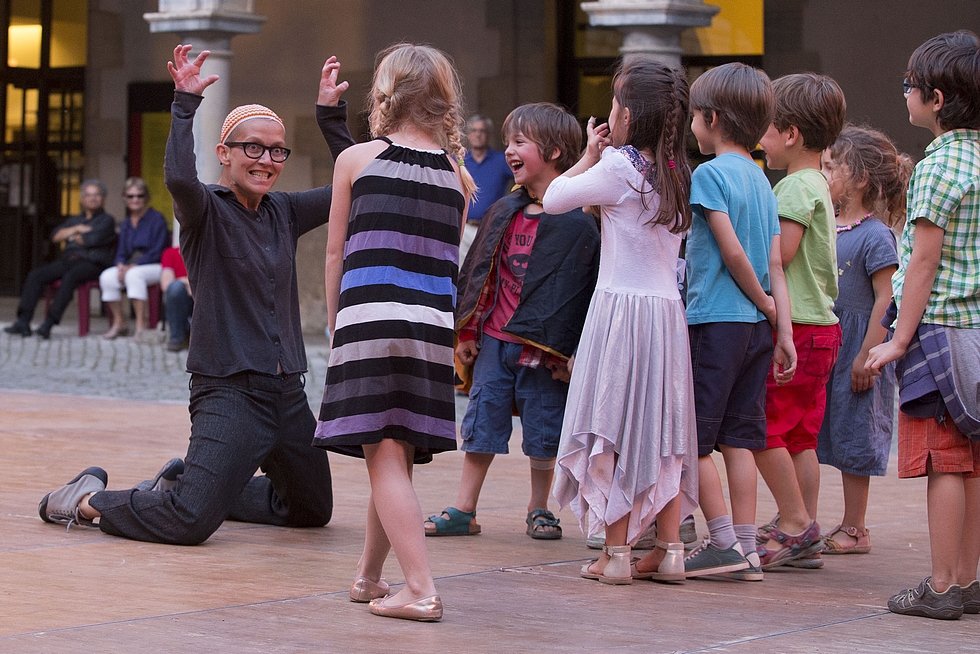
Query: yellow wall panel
x=735 y=31
x=156 y=128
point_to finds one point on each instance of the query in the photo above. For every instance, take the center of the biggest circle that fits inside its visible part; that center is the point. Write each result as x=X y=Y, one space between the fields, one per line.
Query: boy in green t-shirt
x=809 y=117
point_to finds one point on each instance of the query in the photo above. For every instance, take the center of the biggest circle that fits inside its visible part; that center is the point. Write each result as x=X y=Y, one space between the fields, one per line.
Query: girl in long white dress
x=628 y=452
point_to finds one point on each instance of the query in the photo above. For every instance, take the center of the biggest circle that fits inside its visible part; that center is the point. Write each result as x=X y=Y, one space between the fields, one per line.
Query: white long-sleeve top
x=636 y=258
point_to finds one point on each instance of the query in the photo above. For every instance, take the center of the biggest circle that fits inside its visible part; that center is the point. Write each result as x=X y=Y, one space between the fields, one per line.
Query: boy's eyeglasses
x=256 y=150
x=907 y=86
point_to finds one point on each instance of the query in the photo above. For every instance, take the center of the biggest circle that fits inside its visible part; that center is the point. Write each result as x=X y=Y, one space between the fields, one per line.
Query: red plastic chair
x=83 y=302
x=153 y=294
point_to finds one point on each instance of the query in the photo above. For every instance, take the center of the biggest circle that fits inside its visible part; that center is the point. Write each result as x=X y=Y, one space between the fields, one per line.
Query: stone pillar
x=651 y=26
x=208 y=25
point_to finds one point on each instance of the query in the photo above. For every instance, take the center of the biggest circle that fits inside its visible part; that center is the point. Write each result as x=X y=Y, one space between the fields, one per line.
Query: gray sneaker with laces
x=61 y=506
x=710 y=560
x=925 y=602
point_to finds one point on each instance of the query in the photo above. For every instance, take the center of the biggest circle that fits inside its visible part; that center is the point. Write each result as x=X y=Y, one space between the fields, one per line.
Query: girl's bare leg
x=376 y=546
x=389 y=465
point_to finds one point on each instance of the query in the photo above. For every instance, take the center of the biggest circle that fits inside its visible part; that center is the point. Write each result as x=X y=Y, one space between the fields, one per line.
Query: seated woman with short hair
x=142 y=238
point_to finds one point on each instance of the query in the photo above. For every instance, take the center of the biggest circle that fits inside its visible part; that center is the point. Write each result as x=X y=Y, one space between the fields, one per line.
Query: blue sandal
x=537 y=520
x=459 y=523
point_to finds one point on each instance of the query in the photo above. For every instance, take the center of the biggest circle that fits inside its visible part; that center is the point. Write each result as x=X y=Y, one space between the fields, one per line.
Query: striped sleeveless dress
x=390 y=372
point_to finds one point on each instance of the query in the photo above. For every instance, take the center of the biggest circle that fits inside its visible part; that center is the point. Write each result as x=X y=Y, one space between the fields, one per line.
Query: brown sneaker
x=971 y=597
x=925 y=602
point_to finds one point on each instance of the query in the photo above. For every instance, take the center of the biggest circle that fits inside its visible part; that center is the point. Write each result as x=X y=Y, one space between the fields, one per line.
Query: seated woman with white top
x=142 y=239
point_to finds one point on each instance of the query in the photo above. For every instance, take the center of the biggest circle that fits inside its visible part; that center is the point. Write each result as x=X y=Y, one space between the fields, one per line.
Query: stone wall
x=865 y=46
x=503 y=49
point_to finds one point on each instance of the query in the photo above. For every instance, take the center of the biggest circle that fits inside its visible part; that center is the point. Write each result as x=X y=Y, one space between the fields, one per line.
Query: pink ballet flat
x=365 y=590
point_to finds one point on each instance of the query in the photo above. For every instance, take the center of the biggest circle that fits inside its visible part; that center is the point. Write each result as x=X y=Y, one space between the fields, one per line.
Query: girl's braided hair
x=657 y=97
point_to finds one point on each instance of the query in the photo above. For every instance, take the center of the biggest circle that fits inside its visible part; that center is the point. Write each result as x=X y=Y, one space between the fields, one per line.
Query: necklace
x=847 y=228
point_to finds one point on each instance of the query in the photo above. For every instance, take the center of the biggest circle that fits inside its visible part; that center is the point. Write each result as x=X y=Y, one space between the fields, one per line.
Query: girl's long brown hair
x=657 y=97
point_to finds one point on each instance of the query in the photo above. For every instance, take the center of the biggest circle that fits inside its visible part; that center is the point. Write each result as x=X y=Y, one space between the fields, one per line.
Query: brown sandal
x=862 y=546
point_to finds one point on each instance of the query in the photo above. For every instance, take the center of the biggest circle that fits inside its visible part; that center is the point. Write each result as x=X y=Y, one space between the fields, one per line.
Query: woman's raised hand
x=330 y=91
x=187 y=74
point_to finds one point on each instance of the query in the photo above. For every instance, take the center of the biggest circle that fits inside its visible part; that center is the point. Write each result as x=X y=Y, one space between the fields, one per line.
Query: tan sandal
x=862 y=546
x=671 y=568
x=617 y=569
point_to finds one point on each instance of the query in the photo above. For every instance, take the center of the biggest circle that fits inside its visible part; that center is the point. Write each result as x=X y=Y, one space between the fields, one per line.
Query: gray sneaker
x=710 y=560
x=596 y=542
x=689 y=534
x=753 y=572
x=925 y=602
x=61 y=506
x=166 y=478
x=971 y=597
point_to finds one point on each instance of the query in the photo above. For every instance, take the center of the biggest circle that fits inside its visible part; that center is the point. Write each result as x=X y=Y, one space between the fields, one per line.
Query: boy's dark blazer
x=560 y=278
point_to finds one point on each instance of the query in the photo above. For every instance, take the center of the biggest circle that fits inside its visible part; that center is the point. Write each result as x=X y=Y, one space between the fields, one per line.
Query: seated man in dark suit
x=89 y=245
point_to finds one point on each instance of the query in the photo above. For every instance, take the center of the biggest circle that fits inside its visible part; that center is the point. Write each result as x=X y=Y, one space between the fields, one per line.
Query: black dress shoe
x=44 y=331
x=18 y=327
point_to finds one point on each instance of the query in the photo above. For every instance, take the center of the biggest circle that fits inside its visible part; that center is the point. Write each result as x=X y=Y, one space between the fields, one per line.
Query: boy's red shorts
x=794 y=411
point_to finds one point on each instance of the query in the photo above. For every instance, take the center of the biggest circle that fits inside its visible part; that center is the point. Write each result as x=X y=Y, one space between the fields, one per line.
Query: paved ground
x=68 y=403
x=119 y=368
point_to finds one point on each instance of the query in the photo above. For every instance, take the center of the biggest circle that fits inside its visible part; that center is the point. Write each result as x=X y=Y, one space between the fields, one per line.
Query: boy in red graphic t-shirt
x=524 y=290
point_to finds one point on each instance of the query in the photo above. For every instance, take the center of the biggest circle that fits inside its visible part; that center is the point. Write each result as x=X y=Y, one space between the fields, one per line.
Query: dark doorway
x=42 y=104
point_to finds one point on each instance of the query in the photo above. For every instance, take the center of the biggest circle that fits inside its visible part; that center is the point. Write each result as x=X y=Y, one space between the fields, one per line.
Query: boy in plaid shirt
x=937 y=290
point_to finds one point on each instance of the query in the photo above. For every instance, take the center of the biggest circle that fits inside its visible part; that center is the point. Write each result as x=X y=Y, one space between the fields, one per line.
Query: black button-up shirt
x=98 y=245
x=242 y=263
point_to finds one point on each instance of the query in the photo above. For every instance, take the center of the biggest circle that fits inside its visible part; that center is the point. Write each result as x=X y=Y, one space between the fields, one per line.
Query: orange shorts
x=923 y=439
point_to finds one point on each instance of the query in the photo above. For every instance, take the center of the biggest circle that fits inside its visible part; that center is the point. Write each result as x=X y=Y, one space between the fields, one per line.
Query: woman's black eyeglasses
x=256 y=150
x=135 y=196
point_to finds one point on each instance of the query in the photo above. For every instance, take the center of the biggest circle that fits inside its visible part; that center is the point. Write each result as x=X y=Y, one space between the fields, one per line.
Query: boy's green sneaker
x=710 y=560
x=925 y=602
x=753 y=572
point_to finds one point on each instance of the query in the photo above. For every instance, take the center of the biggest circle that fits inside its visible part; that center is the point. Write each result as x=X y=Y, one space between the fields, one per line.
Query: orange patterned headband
x=239 y=115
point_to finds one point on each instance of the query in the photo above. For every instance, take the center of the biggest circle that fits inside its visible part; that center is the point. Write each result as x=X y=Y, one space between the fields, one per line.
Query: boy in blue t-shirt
x=736 y=296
